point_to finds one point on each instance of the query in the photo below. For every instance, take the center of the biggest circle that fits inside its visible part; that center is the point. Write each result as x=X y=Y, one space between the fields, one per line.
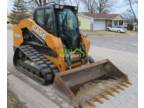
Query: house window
x=115 y=23
x=121 y=22
x=109 y=23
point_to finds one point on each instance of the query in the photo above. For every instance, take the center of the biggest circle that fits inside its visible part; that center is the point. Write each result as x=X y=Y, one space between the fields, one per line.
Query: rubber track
x=44 y=68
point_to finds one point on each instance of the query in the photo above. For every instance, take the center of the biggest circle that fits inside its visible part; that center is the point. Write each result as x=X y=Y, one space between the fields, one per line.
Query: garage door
x=99 y=25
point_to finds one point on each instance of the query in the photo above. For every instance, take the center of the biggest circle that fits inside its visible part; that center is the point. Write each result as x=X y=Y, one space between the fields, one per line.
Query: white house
x=97 y=21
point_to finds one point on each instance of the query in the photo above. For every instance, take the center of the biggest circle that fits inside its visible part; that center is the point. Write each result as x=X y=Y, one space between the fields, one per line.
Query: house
x=96 y=21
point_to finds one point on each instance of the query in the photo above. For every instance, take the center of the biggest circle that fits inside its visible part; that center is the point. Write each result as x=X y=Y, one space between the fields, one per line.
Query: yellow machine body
x=52 y=41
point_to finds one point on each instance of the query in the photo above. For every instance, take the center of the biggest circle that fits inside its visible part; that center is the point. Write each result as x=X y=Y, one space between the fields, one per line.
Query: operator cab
x=60 y=20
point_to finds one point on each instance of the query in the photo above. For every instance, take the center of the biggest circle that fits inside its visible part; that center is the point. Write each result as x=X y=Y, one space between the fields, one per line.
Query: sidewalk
x=30 y=97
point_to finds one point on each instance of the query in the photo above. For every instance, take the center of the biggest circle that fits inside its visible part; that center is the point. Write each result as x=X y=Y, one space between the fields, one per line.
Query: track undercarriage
x=34 y=64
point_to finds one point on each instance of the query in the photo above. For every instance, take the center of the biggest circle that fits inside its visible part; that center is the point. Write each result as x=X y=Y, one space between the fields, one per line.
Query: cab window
x=39 y=17
x=49 y=21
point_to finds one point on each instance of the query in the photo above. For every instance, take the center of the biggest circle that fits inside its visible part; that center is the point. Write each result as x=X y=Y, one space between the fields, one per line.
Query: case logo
x=38 y=31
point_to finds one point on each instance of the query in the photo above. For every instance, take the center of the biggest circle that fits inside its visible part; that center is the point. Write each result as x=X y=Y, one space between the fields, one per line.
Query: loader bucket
x=90 y=83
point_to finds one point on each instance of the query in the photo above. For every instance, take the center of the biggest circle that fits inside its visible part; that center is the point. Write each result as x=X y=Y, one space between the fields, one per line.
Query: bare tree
x=131 y=10
x=90 y=5
x=103 y=6
x=99 y=6
x=77 y=2
x=41 y=2
x=38 y=2
x=45 y=2
x=19 y=11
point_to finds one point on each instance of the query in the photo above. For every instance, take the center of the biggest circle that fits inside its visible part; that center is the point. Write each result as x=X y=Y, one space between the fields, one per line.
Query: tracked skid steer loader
x=51 y=50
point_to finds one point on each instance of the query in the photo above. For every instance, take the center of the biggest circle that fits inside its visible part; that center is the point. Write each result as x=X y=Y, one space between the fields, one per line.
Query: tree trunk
x=130 y=2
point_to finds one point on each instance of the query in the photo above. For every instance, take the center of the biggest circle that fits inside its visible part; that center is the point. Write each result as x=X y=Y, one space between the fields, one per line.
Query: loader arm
x=53 y=42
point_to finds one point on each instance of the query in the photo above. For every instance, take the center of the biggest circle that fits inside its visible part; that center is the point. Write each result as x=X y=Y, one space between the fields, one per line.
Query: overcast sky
x=119 y=6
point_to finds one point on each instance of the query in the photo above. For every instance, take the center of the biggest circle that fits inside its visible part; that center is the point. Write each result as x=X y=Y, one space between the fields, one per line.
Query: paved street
x=122 y=51
x=123 y=43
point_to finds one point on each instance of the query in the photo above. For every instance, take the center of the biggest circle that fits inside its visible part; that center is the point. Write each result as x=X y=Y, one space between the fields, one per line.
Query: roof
x=100 y=16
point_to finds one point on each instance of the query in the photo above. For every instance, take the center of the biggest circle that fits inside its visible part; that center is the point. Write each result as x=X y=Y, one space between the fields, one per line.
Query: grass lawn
x=13 y=101
x=106 y=33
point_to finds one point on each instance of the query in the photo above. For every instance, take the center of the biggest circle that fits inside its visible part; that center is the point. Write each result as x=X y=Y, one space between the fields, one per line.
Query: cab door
x=45 y=17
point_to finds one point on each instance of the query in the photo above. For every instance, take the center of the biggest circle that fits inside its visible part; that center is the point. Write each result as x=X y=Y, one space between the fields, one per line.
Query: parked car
x=118 y=29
